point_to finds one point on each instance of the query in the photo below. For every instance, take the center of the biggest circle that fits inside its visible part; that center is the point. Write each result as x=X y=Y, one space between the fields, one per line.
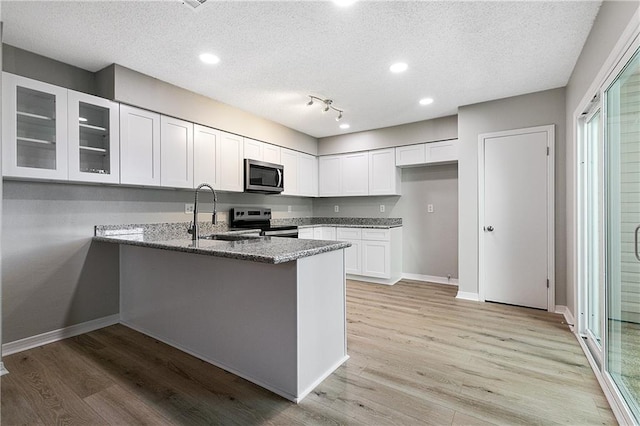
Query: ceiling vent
x=194 y=3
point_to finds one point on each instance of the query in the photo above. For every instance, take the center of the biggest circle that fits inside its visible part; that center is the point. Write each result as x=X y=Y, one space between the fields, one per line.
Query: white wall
x=612 y=19
x=535 y=109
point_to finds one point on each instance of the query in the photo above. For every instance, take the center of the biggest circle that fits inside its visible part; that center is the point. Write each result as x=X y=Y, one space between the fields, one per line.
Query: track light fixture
x=328 y=104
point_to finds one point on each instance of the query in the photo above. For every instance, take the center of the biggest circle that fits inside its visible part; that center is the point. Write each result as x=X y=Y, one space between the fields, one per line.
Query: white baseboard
x=55 y=335
x=3 y=370
x=464 y=295
x=430 y=278
x=568 y=316
x=373 y=280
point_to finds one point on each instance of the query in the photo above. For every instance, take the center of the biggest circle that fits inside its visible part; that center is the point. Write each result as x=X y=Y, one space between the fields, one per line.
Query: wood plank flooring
x=418 y=356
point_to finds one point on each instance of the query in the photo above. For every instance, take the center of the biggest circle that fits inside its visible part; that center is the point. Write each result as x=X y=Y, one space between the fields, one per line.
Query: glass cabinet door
x=93 y=139
x=34 y=128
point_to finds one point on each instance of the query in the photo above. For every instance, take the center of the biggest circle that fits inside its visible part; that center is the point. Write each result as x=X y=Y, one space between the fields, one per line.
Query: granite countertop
x=338 y=225
x=256 y=249
x=341 y=222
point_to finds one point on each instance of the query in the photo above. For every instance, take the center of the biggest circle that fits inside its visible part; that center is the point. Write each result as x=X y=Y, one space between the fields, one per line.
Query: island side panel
x=238 y=315
x=321 y=318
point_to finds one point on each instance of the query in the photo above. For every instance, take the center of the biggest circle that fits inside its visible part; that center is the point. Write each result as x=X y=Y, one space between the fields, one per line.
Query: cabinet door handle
x=488 y=228
x=635 y=242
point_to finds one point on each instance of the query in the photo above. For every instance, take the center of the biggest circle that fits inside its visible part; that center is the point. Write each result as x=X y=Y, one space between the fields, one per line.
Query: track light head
x=328 y=104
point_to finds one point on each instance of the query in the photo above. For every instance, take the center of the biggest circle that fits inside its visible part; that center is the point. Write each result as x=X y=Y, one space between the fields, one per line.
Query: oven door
x=263 y=177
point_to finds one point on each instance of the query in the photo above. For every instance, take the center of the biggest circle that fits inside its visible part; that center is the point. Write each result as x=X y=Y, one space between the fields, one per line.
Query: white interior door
x=515 y=227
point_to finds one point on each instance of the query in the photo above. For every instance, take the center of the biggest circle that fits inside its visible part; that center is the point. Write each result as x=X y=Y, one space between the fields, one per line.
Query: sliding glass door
x=622 y=177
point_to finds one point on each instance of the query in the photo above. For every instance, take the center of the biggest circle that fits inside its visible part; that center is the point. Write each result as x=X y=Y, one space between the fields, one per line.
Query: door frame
x=550 y=131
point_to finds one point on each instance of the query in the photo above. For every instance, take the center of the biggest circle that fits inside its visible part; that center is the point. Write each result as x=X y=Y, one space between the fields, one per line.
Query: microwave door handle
x=279 y=178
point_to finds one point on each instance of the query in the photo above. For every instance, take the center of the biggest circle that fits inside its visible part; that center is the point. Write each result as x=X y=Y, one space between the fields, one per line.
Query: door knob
x=488 y=228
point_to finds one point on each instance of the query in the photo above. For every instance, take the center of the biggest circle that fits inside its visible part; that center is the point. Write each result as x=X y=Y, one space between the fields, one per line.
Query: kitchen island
x=270 y=310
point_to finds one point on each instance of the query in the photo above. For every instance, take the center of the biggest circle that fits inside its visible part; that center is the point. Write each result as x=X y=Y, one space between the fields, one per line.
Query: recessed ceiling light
x=344 y=3
x=209 y=58
x=426 y=101
x=344 y=126
x=398 y=67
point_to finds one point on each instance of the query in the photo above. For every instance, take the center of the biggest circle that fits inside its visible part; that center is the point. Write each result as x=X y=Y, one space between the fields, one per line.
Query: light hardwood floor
x=418 y=356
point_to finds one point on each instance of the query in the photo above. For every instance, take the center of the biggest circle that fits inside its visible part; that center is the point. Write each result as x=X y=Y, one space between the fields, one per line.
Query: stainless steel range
x=260 y=218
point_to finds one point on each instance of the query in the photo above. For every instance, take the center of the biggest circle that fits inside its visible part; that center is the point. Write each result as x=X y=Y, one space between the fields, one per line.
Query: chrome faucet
x=193 y=229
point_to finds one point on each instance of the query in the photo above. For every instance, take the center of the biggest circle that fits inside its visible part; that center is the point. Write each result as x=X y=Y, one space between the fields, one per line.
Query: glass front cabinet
x=50 y=132
x=34 y=129
x=93 y=138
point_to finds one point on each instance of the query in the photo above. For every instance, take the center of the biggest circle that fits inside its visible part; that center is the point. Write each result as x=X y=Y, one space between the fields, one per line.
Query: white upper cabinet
x=442 y=152
x=411 y=155
x=261 y=151
x=139 y=146
x=427 y=153
x=289 y=160
x=384 y=176
x=355 y=174
x=176 y=153
x=230 y=163
x=272 y=153
x=360 y=173
x=205 y=155
x=34 y=129
x=307 y=175
x=330 y=176
x=253 y=150
x=94 y=138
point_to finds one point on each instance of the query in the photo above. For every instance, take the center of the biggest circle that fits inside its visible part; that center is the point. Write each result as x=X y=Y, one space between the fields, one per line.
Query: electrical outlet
x=429 y=208
x=381 y=208
x=289 y=209
x=336 y=209
x=188 y=208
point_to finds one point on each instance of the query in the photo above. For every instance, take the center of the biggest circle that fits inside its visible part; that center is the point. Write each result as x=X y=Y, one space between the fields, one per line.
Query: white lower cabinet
x=376 y=261
x=305 y=233
x=375 y=254
x=353 y=258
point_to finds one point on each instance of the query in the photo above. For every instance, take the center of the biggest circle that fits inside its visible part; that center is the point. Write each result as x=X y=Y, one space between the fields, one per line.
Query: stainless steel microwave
x=266 y=178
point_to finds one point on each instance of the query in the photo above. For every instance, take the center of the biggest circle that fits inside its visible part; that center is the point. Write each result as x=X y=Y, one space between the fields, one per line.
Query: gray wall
x=54 y=276
x=612 y=19
x=422 y=131
x=535 y=109
x=27 y=64
x=137 y=89
x=430 y=240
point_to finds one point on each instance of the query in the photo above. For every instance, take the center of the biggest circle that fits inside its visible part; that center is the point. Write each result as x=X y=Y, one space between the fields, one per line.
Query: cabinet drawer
x=305 y=233
x=376 y=234
x=349 y=234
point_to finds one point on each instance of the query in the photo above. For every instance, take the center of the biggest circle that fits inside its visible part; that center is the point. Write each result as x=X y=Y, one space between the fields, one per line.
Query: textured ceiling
x=275 y=53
